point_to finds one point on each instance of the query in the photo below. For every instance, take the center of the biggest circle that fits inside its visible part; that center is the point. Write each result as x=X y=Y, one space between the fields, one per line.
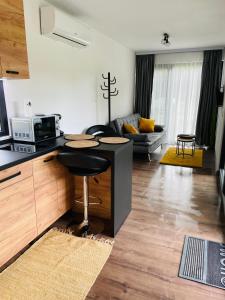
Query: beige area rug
x=58 y=266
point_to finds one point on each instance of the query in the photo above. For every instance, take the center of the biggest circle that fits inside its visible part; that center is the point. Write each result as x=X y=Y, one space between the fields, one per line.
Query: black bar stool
x=85 y=165
x=101 y=130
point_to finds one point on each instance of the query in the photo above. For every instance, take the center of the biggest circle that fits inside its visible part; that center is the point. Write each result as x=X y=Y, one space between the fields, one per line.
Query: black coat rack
x=107 y=87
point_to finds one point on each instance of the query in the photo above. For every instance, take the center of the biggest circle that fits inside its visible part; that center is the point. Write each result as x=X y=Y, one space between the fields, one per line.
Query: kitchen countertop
x=10 y=158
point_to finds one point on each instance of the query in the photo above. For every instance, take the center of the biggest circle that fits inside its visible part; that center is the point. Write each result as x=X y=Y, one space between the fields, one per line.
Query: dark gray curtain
x=144 y=83
x=207 y=111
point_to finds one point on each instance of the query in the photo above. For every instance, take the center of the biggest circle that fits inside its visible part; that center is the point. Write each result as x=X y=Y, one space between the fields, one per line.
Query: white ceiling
x=139 y=24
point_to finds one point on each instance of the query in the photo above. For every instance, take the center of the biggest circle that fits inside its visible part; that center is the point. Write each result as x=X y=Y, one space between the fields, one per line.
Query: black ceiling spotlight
x=165 y=41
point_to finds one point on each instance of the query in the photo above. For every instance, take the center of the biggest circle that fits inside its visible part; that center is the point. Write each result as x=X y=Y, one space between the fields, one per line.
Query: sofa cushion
x=153 y=137
x=145 y=139
x=155 y=140
x=131 y=119
x=137 y=137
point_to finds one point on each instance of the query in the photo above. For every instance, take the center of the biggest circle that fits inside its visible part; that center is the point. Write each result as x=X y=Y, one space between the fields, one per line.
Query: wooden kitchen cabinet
x=33 y=195
x=53 y=190
x=13 y=48
x=17 y=212
x=12 y=6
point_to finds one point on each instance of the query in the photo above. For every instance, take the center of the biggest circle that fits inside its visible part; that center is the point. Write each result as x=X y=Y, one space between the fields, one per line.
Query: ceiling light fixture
x=165 y=41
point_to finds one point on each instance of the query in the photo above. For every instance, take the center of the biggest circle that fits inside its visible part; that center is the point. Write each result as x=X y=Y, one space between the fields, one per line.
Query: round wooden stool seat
x=79 y=137
x=114 y=140
x=81 y=144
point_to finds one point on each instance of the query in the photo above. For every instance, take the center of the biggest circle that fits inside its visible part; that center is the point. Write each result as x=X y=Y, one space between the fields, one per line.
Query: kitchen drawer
x=17 y=218
x=15 y=174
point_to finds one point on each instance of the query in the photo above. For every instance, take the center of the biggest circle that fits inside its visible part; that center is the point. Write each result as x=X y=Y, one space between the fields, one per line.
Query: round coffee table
x=183 y=140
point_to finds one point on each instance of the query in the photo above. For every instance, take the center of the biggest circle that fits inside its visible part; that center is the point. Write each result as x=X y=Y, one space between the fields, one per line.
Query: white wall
x=66 y=80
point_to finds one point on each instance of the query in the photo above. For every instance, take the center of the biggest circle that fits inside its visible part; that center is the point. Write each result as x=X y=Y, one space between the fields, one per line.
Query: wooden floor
x=168 y=203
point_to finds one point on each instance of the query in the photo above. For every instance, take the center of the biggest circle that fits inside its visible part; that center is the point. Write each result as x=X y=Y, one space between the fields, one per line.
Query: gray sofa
x=144 y=142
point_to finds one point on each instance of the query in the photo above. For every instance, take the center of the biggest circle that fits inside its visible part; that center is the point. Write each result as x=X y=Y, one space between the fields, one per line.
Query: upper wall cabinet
x=13 y=49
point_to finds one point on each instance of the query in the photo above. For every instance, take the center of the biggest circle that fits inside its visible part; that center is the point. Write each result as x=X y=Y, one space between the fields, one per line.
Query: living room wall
x=66 y=80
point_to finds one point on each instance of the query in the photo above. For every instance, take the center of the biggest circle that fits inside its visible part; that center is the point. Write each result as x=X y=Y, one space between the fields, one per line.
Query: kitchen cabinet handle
x=96 y=179
x=12 y=72
x=10 y=177
x=48 y=159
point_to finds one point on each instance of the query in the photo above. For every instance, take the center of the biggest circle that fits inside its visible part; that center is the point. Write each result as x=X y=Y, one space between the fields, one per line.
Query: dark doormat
x=203 y=261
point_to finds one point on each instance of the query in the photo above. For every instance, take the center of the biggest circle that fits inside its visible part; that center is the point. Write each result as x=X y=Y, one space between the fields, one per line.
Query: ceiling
x=139 y=24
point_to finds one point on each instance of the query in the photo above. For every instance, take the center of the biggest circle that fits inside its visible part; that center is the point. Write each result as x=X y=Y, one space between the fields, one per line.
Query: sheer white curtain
x=175 y=97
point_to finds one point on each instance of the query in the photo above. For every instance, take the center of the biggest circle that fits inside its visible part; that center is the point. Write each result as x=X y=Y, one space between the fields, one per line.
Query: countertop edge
x=59 y=144
x=27 y=158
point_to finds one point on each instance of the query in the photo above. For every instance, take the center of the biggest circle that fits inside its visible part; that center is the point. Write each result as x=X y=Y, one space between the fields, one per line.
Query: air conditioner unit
x=62 y=27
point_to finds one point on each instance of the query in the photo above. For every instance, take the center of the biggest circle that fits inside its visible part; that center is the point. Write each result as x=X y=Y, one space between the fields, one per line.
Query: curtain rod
x=180 y=50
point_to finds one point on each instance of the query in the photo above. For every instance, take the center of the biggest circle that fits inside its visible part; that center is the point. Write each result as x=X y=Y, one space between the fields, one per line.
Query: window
x=175 y=97
x=4 y=128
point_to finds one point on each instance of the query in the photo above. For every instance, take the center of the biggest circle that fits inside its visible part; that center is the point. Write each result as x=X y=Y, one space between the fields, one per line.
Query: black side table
x=182 y=140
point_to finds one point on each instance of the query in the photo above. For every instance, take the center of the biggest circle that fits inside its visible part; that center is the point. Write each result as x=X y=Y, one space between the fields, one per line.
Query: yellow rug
x=58 y=266
x=170 y=158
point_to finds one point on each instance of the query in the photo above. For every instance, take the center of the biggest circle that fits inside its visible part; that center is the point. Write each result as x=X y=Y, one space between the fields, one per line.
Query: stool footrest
x=95 y=203
x=80 y=202
x=89 y=203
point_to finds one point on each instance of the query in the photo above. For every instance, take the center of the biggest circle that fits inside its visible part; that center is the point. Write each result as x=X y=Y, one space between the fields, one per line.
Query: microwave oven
x=35 y=129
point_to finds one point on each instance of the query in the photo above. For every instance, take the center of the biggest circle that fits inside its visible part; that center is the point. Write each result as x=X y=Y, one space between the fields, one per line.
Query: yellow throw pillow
x=146 y=125
x=129 y=128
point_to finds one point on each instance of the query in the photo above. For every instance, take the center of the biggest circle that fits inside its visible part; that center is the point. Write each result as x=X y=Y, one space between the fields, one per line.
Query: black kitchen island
x=120 y=157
